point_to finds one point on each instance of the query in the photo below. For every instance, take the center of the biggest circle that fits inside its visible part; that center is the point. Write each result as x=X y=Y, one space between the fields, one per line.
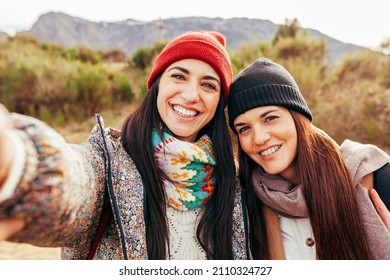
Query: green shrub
x=143 y=57
x=90 y=88
x=83 y=54
x=122 y=90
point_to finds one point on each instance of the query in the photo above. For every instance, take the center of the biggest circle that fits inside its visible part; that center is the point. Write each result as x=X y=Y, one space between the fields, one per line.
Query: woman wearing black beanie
x=305 y=194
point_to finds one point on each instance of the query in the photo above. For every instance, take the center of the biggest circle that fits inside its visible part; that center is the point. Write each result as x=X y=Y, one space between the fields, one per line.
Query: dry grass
x=349 y=105
x=14 y=251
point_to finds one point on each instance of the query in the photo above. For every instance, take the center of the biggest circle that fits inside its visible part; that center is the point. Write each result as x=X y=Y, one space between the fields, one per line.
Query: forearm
x=13 y=172
x=6 y=146
x=57 y=194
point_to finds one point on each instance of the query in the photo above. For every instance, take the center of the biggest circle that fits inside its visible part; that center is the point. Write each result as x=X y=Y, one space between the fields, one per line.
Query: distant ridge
x=3 y=36
x=131 y=34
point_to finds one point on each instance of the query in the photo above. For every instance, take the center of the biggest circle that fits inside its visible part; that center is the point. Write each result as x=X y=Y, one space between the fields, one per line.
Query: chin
x=272 y=171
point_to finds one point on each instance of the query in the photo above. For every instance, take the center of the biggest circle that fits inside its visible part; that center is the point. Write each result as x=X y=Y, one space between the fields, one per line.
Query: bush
x=121 y=89
x=247 y=53
x=353 y=68
x=37 y=80
x=90 y=89
x=144 y=57
x=115 y=55
x=83 y=54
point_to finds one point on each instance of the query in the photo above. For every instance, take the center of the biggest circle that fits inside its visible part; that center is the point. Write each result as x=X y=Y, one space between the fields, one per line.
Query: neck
x=292 y=174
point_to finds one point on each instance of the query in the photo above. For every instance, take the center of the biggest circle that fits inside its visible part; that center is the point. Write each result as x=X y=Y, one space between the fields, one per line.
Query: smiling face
x=269 y=137
x=189 y=92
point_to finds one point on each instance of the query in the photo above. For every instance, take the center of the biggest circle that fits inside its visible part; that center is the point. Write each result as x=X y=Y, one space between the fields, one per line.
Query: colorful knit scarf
x=190 y=167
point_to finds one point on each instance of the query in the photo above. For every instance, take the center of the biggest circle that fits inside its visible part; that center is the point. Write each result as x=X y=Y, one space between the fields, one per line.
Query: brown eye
x=243 y=129
x=210 y=86
x=270 y=118
x=178 y=76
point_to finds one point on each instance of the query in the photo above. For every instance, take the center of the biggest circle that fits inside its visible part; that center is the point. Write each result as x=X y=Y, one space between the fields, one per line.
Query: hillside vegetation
x=65 y=86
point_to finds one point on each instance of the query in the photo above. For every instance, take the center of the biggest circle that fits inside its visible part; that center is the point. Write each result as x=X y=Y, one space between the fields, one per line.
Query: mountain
x=131 y=34
x=3 y=36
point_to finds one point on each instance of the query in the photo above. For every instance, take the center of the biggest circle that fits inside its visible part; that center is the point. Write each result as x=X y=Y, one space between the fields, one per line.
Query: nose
x=260 y=136
x=190 y=94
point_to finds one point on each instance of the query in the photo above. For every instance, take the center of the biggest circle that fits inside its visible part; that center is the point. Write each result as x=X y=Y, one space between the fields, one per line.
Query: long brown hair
x=214 y=230
x=330 y=196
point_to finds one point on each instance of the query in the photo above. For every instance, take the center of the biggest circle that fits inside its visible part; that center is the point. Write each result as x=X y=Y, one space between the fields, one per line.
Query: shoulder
x=362 y=159
x=349 y=146
x=355 y=151
x=104 y=135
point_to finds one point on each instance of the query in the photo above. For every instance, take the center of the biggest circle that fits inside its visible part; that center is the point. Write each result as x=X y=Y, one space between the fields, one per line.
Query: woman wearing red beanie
x=155 y=190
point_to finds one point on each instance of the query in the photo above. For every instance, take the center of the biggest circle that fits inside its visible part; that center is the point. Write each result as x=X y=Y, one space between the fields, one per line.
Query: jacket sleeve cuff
x=8 y=188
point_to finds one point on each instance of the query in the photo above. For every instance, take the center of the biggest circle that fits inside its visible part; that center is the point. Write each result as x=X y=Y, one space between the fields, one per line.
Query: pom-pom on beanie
x=265 y=83
x=208 y=46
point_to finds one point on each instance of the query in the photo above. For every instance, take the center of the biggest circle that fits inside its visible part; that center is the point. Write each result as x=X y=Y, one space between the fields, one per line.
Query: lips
x=270 y=150
x=185 y=112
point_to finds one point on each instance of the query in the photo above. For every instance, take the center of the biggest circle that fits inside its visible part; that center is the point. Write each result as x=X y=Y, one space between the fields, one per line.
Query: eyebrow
x=261 y=116
x=208 y=77
x=179 y=68
x=267 y=112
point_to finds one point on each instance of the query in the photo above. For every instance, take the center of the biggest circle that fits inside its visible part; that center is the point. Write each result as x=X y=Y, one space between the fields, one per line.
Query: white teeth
x=270 y=150
x=184 y=112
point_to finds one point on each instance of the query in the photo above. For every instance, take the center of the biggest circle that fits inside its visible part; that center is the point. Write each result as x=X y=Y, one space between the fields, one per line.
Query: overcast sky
x=361 y=22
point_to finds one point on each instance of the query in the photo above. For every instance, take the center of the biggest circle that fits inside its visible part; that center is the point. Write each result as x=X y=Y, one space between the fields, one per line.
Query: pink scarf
x=289 y=200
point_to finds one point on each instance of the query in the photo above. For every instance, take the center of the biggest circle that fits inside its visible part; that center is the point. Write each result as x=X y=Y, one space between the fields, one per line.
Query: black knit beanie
x=265 y=83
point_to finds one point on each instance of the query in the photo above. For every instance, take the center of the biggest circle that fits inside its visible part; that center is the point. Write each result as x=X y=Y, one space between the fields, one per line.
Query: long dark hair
x=214 y=230
x=330 y=197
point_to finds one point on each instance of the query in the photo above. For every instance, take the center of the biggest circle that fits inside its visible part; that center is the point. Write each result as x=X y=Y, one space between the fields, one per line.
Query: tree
x=289 y=29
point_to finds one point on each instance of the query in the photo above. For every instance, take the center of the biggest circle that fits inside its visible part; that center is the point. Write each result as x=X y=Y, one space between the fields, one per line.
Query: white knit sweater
x=182 y=235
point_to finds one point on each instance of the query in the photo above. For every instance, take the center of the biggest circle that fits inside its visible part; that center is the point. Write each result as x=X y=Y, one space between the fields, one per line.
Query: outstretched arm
x=6 y=146
x=11 y=226
x=51 y=192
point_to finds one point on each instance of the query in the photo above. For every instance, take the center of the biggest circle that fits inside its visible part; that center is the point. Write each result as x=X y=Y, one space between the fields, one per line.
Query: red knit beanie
x=208 y=46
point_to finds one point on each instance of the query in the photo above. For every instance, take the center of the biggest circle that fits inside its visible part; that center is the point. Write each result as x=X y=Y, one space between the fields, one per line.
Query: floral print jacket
x=63 y=188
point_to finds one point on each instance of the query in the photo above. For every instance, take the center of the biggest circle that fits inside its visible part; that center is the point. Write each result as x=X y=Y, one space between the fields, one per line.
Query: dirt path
x=13 y=251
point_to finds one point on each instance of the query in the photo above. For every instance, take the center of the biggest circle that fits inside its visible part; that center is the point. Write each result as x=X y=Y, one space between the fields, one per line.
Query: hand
x=6 y=152
x=10 y=227
x=380 y=207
